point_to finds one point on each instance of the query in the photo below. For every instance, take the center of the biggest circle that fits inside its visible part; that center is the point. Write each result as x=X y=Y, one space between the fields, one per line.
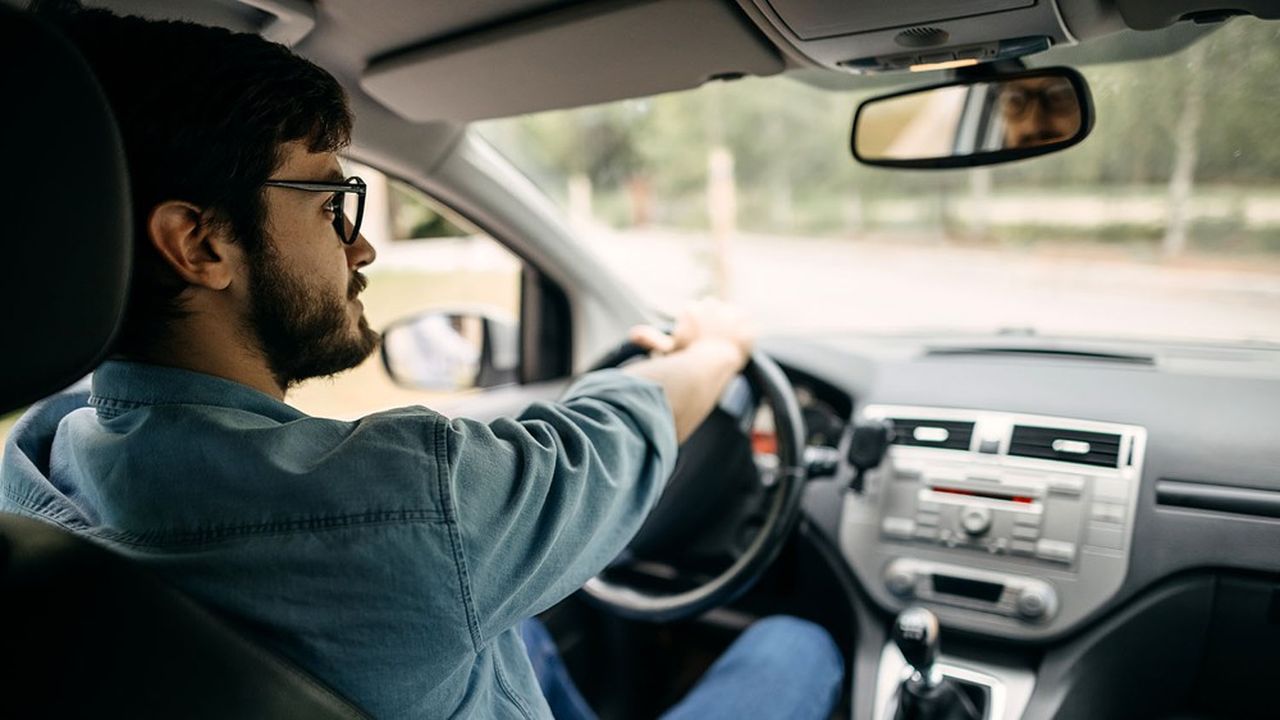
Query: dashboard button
x=896 y=527
x=1027 y=519
x=1056 y=550
x=1022 y=547
x=1034 y=602
x=1066 y=485
x=1022 y=532
x=1108 y=512
x=925 y=532
x=1105 y=536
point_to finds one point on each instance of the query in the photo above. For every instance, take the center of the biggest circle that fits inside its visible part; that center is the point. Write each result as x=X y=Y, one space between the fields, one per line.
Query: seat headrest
x=66 y=213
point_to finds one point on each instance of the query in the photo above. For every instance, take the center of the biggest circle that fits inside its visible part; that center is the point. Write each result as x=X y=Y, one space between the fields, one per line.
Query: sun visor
x=582 y=55
x=1156 y=14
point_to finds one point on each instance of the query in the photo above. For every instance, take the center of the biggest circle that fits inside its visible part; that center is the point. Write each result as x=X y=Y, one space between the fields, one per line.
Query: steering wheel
x=718 y=506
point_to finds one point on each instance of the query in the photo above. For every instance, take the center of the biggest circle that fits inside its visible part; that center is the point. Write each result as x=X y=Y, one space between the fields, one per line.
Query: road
x=792 y=283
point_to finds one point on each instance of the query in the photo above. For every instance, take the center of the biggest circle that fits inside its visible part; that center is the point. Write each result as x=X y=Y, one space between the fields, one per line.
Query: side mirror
x=451 y=350
x=975 y=121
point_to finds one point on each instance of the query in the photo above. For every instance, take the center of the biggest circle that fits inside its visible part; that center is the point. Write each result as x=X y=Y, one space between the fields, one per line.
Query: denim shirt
x=392 y=557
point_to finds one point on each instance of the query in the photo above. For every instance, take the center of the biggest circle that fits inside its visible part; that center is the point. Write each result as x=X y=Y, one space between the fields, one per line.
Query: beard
x=302 y=331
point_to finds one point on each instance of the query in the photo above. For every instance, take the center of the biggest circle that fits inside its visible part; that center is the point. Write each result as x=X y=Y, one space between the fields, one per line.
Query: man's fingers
x=652 y=339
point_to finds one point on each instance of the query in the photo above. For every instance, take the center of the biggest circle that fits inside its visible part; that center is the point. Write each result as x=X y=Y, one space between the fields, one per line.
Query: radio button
x=1105 y=536
x=896 y=527
x=1066 y=485
x=975 y=520
x=925 y=532
x=1031 y=520
x=1022 y=532
x=1108 y=512
x=1022 y=547
x=1056 y=550
x=1034 y=602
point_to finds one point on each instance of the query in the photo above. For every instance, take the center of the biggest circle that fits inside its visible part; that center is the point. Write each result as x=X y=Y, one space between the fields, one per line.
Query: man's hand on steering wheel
x=709 y=345
x=714 y=504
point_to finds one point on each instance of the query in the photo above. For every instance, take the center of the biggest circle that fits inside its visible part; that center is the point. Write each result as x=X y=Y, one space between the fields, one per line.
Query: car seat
x=86 y=633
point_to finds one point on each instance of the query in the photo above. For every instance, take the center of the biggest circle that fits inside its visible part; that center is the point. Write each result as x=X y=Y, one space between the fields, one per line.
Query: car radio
x=1000 y=521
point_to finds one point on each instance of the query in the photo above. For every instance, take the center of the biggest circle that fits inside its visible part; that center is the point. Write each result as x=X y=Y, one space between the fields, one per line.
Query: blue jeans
x=781 y=667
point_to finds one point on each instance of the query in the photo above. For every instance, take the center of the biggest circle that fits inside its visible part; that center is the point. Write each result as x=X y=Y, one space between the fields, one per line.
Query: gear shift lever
x=916 y=633
x=927 y=695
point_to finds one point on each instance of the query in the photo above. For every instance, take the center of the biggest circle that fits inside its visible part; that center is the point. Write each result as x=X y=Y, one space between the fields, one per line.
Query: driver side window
x=434 y=271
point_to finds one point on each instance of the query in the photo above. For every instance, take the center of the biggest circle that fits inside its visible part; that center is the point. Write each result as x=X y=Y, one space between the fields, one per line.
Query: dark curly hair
x=204 y=113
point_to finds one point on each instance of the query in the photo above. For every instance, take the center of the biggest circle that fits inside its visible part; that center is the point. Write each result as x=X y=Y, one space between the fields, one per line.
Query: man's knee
x=798 y=647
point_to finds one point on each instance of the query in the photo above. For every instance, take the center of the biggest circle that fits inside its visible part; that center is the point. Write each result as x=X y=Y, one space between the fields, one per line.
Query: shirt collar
x=120 y=385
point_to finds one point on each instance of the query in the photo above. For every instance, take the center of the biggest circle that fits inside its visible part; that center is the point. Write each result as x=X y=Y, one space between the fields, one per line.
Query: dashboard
x=1035 y=484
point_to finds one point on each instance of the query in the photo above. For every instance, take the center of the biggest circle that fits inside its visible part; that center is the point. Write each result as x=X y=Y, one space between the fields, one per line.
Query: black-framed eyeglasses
x=346 y=204
x=1059 y=98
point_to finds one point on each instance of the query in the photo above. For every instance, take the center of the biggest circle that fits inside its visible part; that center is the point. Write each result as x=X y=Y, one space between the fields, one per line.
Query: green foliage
x=794 y=173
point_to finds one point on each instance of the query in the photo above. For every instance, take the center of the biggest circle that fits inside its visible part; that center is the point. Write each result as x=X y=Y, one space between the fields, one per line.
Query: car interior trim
x=1202 y=496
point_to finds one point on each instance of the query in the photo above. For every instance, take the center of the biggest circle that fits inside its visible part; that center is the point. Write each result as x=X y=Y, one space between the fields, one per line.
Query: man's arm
x=544 y=501
x=693 y=379
x=710 y=344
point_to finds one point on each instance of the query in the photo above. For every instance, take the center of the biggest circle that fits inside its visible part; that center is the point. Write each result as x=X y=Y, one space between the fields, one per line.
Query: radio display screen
x=964 y=587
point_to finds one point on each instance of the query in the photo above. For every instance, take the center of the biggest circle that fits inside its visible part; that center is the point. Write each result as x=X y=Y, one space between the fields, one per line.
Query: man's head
x=208 y=117
x=1038 y=110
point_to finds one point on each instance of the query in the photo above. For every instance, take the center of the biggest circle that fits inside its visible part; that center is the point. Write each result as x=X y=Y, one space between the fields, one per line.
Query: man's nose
x=361 y=252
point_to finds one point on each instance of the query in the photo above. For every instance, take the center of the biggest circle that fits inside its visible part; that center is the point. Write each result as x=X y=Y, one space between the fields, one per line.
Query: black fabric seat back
x=90 y=634
x=65 y=213
x=83 y=632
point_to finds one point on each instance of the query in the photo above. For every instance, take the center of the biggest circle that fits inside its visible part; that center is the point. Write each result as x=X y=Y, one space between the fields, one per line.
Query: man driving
x=396 y=557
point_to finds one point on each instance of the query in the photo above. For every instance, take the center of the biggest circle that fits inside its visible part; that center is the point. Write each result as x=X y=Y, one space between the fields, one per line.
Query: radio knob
x=975 y=520
x=1034 y=602
x=900 y=581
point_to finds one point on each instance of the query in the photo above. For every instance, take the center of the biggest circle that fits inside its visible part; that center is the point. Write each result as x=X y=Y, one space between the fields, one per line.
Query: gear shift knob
x=916 y=633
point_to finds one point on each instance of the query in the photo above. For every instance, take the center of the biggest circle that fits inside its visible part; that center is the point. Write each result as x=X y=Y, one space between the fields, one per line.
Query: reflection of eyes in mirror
x=972 y=117
x=1038 y=110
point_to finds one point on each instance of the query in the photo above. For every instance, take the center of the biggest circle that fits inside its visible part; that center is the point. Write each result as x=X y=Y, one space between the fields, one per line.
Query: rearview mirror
x=451 y=350
x=975 y=121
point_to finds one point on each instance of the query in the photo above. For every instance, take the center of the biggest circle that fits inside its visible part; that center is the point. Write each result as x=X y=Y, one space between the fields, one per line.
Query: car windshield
x=1164 y=223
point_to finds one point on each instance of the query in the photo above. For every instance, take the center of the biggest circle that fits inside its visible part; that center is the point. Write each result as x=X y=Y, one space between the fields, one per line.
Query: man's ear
x=196 y=249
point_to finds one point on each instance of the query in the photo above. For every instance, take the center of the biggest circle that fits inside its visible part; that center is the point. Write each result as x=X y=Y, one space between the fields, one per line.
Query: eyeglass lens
x=347 y=223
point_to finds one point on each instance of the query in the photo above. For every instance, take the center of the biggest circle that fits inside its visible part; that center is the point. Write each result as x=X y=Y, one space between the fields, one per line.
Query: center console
x=1011 y=525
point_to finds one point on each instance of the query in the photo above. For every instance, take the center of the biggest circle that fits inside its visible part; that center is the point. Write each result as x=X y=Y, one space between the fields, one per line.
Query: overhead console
x=865 y=37
x=1007 y=524
x=872 y=37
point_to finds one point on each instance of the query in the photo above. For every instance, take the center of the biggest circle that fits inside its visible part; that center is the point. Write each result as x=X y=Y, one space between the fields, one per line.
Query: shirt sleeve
x=544 y=501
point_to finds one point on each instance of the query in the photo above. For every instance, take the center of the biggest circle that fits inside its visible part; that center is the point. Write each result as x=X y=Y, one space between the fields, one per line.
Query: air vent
x=949 y=434
x=1076 y=446
x=922 y=37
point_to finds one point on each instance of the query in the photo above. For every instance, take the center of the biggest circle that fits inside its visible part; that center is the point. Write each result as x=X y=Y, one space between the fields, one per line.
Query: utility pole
x=1182 y=180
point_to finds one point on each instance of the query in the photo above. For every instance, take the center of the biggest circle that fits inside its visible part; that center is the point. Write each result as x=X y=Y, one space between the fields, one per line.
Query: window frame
x=545 y=314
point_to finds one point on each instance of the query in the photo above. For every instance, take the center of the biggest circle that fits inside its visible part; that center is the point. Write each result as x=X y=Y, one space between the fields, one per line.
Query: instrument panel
x=1004 y=523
